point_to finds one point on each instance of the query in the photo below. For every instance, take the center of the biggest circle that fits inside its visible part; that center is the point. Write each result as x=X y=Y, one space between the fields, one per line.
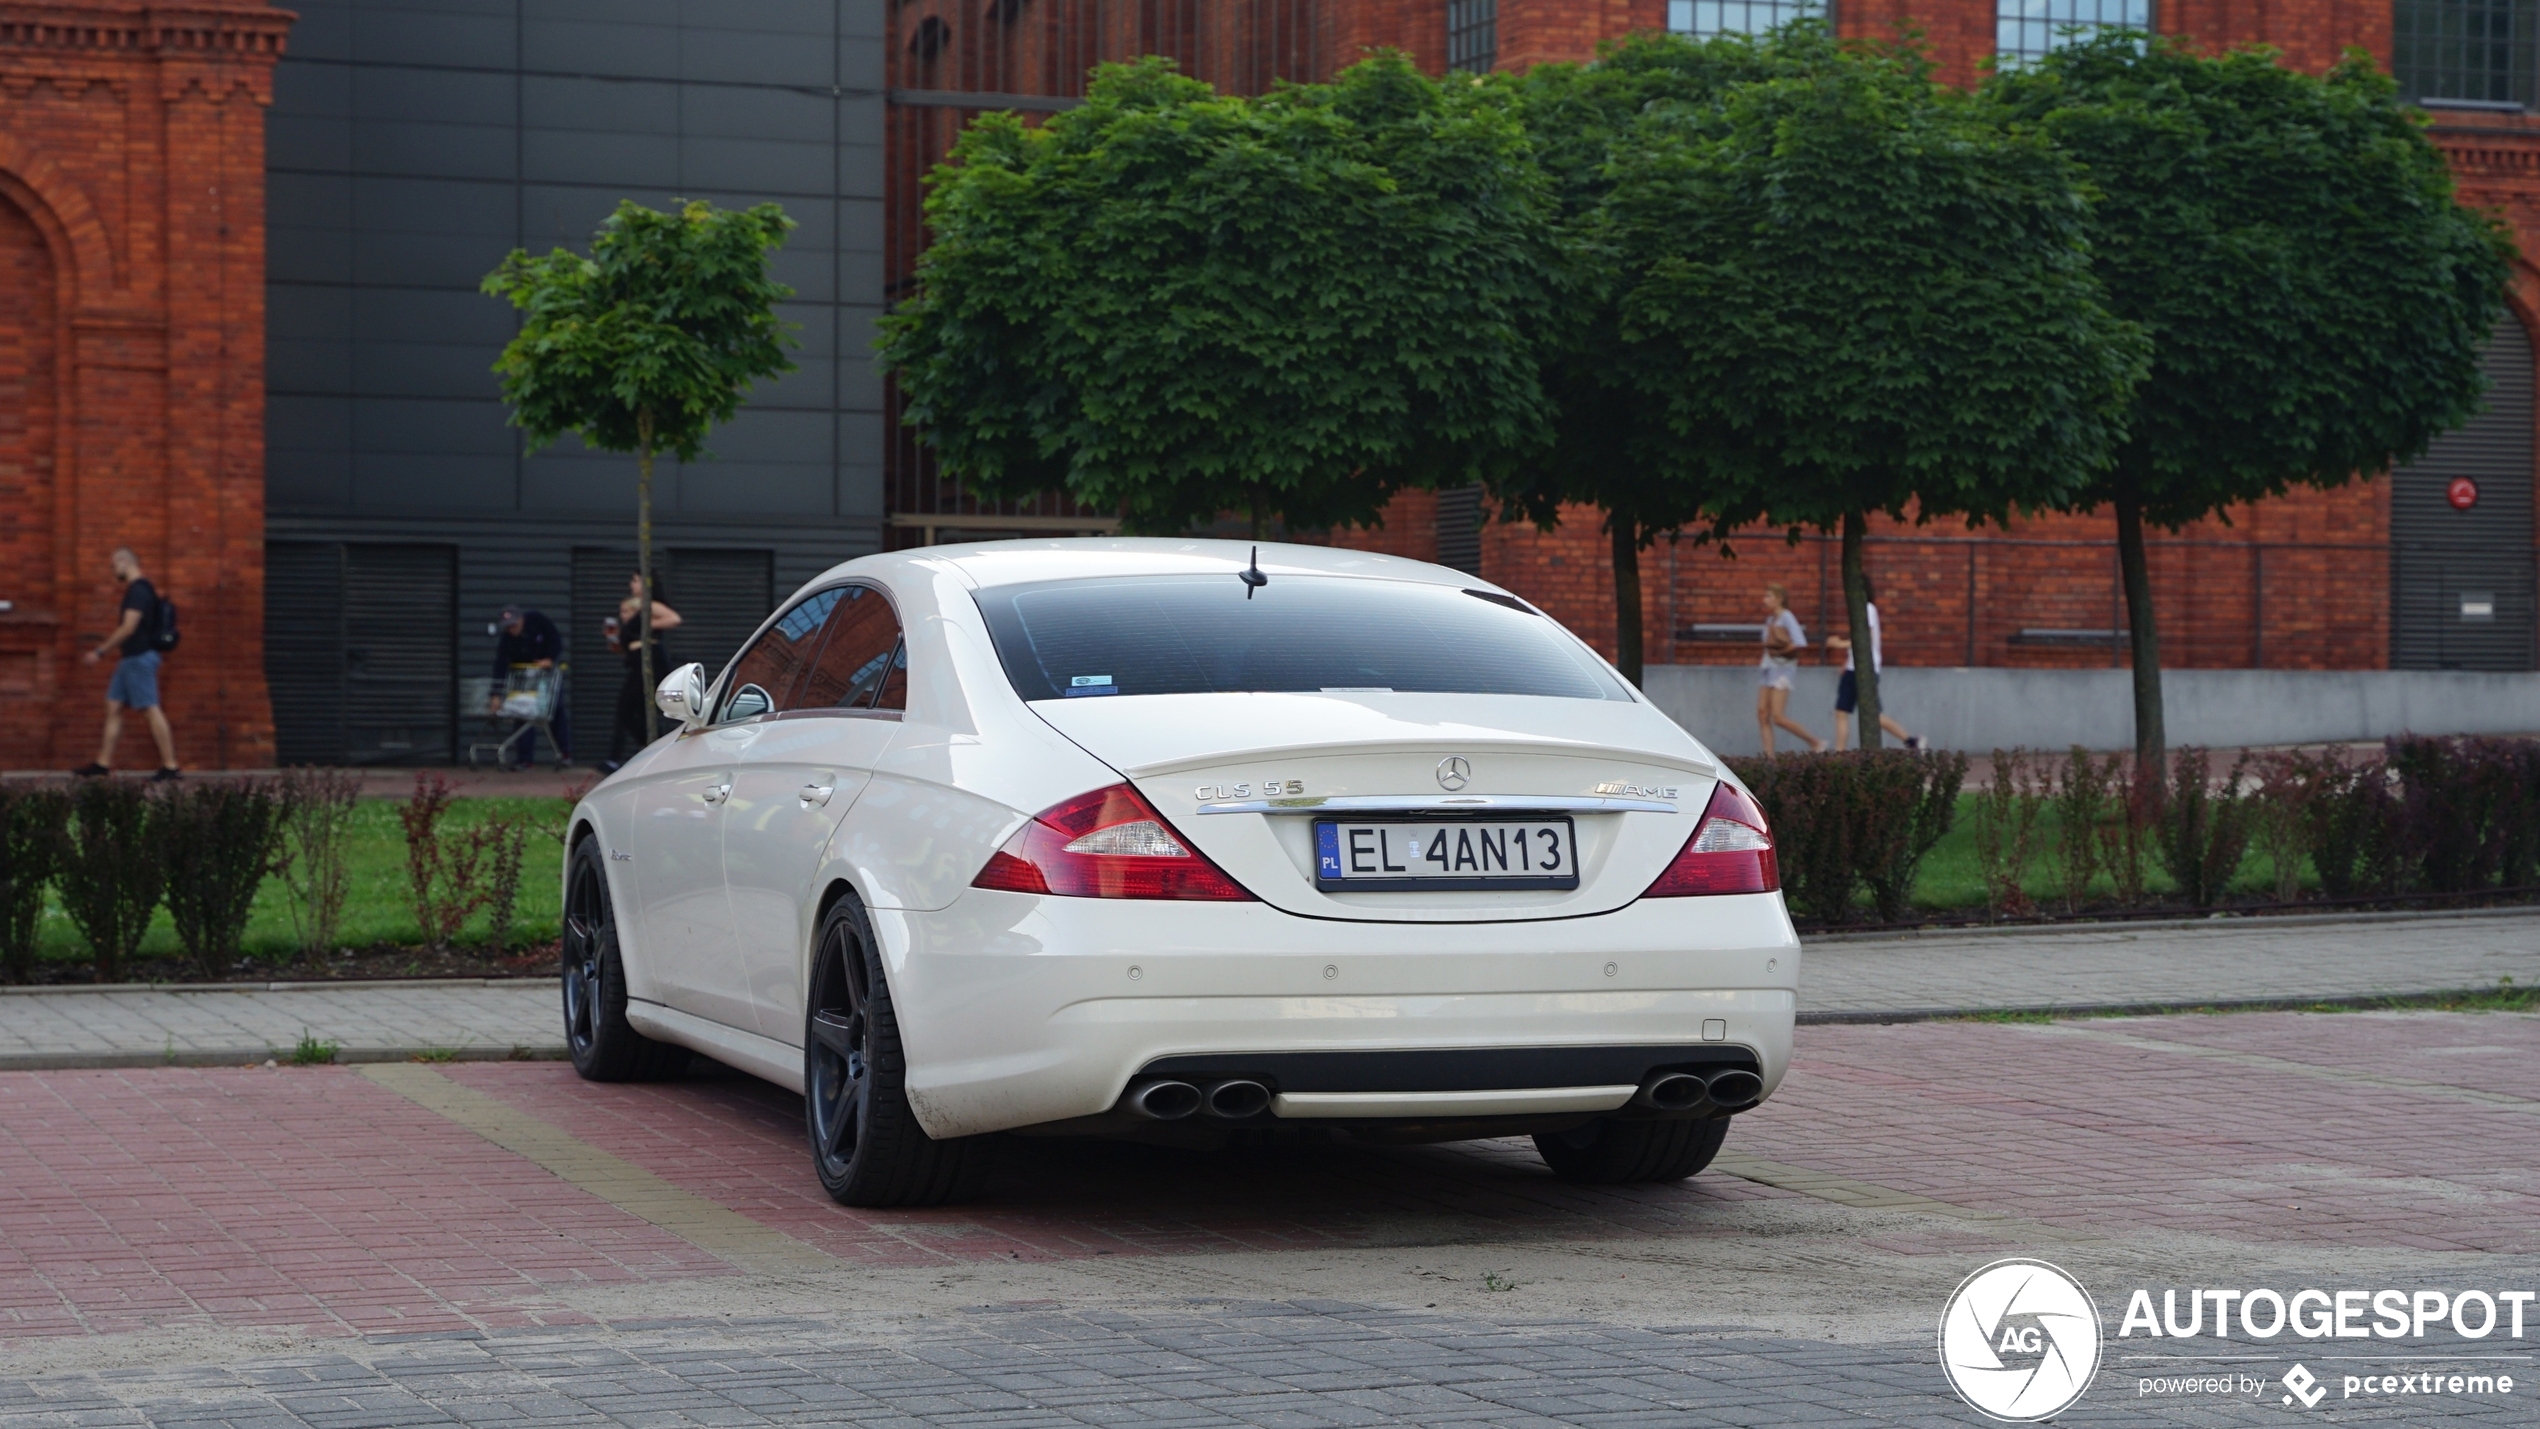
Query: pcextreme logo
x=2019 y=1340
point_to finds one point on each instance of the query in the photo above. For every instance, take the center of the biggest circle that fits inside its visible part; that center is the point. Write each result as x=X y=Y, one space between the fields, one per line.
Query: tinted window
x=859 y=659
x=767 y=677
x=1172 y=635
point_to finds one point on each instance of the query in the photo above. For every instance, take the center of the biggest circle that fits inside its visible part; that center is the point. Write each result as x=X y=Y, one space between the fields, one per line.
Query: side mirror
x=682 y=695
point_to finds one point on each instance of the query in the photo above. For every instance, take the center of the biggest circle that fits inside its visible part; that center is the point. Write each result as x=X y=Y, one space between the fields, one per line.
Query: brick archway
x=131 y=361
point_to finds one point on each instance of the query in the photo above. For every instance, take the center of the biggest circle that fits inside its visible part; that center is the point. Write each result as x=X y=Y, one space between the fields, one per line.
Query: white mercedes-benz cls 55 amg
x=1181 y=840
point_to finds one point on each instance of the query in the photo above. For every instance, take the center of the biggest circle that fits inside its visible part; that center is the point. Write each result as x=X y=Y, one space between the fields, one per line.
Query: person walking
x=1783 y=640
x=135 y=684
x=527 y=637
x=1847 y=692
x=625 y=635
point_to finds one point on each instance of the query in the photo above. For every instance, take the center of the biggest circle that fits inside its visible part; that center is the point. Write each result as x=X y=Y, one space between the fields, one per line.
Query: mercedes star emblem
x=1454 y=772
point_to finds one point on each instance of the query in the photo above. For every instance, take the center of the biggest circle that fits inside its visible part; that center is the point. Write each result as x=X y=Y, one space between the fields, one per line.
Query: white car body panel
x=1017 y=1010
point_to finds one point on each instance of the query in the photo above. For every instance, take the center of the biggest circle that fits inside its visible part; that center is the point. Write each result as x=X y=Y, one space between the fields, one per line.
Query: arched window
x=2466 y=54
x=2027 y=29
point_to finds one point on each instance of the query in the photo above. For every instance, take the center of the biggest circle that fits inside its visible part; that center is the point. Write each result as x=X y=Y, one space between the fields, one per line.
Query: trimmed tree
x=1174 y=303
x=647 y=345
x=1610 y=443
x=1858 y=293
x=2317 y=300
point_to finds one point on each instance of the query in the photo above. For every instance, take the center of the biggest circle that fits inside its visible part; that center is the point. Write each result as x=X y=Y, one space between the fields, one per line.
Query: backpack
x=163 y=634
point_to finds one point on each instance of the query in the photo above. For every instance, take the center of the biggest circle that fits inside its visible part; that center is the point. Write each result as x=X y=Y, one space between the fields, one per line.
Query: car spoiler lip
x=1436 y=804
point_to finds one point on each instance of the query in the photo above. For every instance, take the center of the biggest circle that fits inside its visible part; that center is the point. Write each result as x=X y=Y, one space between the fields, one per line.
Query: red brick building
x=131 y=361
x=2384 y=572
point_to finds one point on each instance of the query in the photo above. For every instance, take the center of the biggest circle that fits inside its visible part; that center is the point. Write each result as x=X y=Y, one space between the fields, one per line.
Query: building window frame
x=2028 y=30
x=2467 y=54
x=1472 y=36
x=1705 y=19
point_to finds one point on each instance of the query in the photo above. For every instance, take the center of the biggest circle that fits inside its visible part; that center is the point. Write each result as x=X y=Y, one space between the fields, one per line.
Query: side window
x=769 y=676
x=861 y=659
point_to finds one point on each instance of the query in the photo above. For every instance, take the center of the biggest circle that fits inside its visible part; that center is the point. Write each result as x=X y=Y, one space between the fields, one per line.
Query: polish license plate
x=1373 y=856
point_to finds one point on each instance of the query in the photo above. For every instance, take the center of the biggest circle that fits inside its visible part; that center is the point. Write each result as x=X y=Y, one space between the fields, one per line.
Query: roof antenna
x=1252 y=577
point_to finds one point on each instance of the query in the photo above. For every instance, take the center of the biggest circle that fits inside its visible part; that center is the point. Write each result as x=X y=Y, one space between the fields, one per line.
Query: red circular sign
x=2464 y=493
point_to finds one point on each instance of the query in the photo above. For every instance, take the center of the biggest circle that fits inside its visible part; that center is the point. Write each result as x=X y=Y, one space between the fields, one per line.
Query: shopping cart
x=527 y=707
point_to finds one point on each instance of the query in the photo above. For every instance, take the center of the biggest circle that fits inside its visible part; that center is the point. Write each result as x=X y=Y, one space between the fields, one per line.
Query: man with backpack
x=148 y=629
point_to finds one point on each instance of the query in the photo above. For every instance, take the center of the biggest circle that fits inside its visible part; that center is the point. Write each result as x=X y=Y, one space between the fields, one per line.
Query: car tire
x=1607 y=1152
x=866 y=1145
x=603 y=1046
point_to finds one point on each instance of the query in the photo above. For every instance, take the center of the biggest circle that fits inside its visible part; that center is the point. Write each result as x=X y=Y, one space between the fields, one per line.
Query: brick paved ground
x=321 y=1246
x=2043 y=969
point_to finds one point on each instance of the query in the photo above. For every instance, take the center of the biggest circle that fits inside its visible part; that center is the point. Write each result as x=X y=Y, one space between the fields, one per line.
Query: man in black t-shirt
x=527 y=637
x=135 y=685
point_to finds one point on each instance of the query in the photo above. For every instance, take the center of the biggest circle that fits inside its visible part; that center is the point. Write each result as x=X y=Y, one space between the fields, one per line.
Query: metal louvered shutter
x=1460 y=529
x=400 y=656
x=721 y=597
x=2461 y=581
x=304 y=650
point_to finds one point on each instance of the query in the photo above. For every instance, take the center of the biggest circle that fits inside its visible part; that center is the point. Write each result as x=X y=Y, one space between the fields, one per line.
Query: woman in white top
x=1783 y=640
x=1847 y=695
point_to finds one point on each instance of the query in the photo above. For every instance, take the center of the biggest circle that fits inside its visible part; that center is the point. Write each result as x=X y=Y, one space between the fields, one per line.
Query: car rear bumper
x=1018 y=1010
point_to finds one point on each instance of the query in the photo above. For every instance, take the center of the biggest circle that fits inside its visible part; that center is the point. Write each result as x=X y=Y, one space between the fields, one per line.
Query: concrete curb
x=257 y=1057
x=2132 y=1009
x=323 y=985
x=2237 y=923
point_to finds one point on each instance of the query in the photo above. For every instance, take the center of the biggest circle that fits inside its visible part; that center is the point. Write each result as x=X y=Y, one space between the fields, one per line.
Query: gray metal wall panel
x=2447 y=563
x=413 y=143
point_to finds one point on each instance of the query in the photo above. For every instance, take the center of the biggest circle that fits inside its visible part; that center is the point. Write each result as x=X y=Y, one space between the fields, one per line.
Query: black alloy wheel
x=866 y=1144
x=603 y=1046
x=1608 y=1152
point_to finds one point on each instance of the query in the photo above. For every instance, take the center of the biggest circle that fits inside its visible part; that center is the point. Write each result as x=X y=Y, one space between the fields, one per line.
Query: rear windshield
x=1182 y=635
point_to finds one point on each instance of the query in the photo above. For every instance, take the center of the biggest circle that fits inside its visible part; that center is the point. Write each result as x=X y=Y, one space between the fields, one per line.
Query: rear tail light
x=1731 y=851
x=1106 y=844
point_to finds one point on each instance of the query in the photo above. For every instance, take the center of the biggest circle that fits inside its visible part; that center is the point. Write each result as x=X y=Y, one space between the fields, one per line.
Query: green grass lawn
x=378 y=906
x=1951 y=879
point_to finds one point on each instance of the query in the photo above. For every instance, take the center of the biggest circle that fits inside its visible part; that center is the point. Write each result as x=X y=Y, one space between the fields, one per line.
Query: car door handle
x=818 y=794
x=716 y=794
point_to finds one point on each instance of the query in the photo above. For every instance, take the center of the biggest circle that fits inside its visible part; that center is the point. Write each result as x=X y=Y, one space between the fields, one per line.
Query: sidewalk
x=2258 y=961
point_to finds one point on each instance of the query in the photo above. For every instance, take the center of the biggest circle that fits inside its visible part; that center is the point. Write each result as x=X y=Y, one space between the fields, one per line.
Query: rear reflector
x=1731 y=851
x=1106 y=844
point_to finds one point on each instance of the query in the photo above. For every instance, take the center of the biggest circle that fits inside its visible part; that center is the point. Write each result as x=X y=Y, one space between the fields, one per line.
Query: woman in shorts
x=1783 y=640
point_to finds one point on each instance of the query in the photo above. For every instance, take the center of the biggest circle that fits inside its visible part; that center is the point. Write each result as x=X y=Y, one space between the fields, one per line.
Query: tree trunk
x=644 y=567
x=1856 y=609
x=1627 y=643
x=2151 y=740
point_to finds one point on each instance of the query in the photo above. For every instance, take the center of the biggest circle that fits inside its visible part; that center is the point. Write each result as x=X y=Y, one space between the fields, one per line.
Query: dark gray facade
x=2461 y=576
x=410 y=146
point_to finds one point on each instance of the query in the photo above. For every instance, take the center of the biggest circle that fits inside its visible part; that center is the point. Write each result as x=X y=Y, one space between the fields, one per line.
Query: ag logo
x=2019 y=1340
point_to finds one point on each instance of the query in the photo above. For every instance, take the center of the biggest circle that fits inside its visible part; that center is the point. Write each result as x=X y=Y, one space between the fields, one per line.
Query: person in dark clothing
x=528 y=637
x=633 y=697
x=135 y=685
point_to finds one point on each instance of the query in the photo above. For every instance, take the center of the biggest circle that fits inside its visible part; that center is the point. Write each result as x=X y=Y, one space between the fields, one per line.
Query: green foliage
x=1856 y=291
x=1610 y=443
x=1859 y=820
x=1172 y=302
x=111 y=877
x=312 y=1052
x=2204 y=827
x=2316 y=299
x=217 y=840
x=317 y=821
x=651 y=342
x=2006 y=816
x=31 y=826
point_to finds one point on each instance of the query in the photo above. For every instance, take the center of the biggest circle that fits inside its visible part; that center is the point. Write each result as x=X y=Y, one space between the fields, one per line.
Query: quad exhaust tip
x=1736 y=1087
x=1166 y=1100
x=1237 y=1098
x=1687 y=1091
